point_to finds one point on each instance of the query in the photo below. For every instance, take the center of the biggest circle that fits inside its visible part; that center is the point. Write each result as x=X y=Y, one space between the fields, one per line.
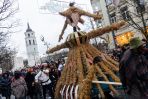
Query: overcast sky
x=48 y=25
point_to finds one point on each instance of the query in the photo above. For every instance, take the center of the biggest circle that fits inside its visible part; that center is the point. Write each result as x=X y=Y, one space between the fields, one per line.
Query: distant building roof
x=28 y=28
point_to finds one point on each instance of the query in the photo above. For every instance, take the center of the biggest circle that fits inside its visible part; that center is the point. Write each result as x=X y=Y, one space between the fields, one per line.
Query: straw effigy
x=79 y=71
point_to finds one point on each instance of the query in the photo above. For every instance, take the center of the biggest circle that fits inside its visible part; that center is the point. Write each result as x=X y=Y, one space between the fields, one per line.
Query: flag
x=116 y=2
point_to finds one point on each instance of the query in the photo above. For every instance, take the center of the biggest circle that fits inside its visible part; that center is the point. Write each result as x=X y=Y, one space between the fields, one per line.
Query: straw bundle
x=79 y=68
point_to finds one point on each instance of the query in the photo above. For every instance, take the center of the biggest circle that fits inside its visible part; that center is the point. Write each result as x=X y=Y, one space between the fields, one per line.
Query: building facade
x=99 y=6
x=127 y=10
x=31 y=47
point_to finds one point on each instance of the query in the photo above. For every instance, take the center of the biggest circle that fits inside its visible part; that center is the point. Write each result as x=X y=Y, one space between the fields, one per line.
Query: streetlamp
x=45 y=43
x=34 y=57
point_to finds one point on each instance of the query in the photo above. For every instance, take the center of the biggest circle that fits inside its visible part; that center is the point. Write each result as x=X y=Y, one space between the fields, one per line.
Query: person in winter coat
x=30 y=84
x=18 y=86
x=53 y=75
x=6 y=85
x=134 y=71
x=43 y=78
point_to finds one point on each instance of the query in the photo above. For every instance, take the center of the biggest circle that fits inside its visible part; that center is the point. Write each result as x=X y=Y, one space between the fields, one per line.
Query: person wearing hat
x=136 y=43
x=133 y=69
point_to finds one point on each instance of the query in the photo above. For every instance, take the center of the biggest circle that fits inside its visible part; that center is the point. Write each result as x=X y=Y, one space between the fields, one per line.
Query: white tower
x=31 y=46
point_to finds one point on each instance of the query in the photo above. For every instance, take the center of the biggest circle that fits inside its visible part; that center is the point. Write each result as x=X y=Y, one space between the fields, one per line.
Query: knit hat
x=135 y=43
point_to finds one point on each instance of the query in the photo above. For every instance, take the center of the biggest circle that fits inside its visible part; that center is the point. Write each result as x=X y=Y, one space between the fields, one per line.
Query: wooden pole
x=107 y=82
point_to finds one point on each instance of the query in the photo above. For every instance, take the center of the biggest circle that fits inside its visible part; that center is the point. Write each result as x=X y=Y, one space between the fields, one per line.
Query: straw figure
x=79 y=71
x=73 y=17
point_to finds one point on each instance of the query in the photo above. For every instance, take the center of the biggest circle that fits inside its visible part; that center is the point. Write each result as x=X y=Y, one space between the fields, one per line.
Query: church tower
x=31 y=47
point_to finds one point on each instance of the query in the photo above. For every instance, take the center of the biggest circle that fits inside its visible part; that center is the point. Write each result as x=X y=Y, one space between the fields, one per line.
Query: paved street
x=12 y=97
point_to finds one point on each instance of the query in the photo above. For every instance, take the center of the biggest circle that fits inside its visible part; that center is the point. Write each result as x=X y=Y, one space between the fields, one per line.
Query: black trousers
x=45 y=88
x=51 y=90
x=107 y=95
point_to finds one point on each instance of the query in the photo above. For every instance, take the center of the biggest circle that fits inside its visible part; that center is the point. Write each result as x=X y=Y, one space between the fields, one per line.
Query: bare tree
x=7 y=23
x=7 y=59
x=138 y=18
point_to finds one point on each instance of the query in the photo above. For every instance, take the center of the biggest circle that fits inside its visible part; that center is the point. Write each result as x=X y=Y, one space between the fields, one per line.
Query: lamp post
x=113 y=33
x=47 y=45
x=34 y=58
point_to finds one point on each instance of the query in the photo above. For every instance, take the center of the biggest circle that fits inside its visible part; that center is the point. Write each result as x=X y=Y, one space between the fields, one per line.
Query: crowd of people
x=32 y=82
x=39 y=82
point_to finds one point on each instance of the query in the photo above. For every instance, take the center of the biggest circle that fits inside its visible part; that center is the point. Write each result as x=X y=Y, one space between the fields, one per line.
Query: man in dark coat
x=134 y=71
x=5 y=84
x=30 y=84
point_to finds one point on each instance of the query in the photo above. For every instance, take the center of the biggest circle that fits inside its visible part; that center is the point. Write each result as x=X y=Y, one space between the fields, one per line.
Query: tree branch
x=137 y=25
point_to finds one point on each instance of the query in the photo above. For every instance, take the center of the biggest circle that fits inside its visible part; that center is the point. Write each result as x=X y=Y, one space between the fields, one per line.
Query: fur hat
x=135 y=43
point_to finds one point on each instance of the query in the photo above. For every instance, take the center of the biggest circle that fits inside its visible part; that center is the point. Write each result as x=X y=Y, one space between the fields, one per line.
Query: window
x=28 y=35
x=113 y=17
x=124 y=13
x=29 y=42
x=33 y=42
x=96 y=5
x=140 y=9
x=99 y=23
x=140 y=6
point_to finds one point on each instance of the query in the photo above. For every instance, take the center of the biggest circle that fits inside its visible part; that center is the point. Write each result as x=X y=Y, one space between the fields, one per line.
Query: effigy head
x=76 y=39
x=71 y=4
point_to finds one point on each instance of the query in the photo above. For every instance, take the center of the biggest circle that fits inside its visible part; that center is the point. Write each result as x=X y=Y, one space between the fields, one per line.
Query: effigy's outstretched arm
x=64 y=27
x=58 y=47
x=68 y=12
x=101 y=31
x=95 y=16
